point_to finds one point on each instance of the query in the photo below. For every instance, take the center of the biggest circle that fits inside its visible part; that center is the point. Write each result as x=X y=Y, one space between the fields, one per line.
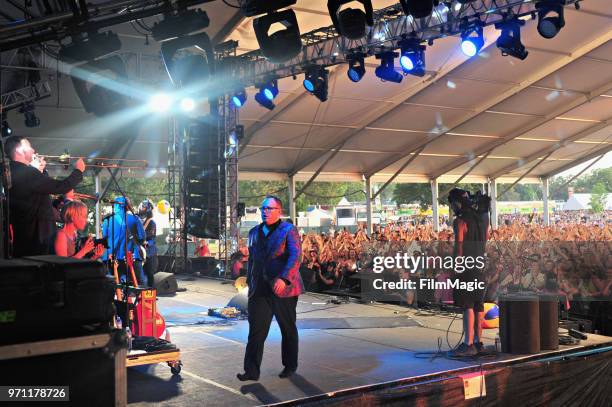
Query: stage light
x=6 y=129
x=239 y=98
x=93 y=46
x=270 y=89
x=356 y=67
x=282 y=45
x=417 y=8
x=160 y=103
x=191 y=68
x=252 y=8
x=412 y=59
x=549 y=26
x=180 y=24
x=351 y=22
x=31 y=120
x=187 y=104
x=264 y=101
x=509 y=42
x=472 y=41
x=315 y=82
x=386 y=71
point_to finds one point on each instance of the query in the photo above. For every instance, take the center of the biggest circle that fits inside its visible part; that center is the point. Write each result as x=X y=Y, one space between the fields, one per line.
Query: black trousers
x=261 y=310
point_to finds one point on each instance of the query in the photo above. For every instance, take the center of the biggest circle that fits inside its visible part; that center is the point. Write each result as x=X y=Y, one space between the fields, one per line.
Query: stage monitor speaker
x=549 y=321
x=165 y=283
x=241 y=302
x=519 y=323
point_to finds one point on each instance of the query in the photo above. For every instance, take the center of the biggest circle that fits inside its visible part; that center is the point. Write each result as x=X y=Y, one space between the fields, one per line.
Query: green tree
x=598 y=198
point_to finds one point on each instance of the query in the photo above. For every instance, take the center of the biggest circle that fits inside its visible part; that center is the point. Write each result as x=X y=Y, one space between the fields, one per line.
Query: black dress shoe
x=286 y=373
x=243 y=377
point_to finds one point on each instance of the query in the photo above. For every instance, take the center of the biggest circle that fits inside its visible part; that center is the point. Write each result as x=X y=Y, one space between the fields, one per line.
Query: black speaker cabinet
x=93 y=368
x=519 y=323
x=165 y=283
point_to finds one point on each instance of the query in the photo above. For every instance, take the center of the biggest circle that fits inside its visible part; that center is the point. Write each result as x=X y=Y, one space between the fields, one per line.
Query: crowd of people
x=574 y=258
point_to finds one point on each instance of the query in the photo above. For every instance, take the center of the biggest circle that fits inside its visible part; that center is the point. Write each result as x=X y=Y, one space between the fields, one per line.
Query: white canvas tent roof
x=580 y=202
x=498 y=114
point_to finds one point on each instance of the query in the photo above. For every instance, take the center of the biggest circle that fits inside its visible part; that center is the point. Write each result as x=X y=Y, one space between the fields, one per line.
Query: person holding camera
x=75 y=218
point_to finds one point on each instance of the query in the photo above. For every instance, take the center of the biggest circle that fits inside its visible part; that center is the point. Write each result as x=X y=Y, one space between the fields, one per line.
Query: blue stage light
x=472 y=41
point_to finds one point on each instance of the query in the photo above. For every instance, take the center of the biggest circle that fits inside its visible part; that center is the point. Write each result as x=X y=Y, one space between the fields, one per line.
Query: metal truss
x=325 y=47
x=16 y=98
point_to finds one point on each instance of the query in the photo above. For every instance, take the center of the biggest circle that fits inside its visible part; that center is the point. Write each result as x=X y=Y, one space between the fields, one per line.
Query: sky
x=605 y=162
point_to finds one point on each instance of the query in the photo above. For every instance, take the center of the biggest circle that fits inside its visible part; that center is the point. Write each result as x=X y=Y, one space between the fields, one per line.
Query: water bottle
x=128 y=332
x=118 y=324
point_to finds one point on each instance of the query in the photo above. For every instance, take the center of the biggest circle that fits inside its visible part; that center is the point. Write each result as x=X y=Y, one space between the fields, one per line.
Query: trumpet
x=97 y=162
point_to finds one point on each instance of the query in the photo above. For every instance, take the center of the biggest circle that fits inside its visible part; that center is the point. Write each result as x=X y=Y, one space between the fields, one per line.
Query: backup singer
x=75 y=218
x=145 y=212
x=274 y=286
x=30 y=211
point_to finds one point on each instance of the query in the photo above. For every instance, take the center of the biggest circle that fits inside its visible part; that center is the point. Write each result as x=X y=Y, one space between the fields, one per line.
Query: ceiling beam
x=487 y=148
x=595 y=154
x=559 y=145
x=535 y=77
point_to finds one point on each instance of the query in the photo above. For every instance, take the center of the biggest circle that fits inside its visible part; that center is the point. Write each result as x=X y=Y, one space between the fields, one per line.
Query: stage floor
x=212 y=350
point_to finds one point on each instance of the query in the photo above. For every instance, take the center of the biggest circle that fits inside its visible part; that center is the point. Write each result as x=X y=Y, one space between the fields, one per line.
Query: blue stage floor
x=330 y=359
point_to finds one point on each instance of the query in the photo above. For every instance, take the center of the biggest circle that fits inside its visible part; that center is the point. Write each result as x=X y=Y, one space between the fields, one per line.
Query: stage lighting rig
x=281 y=45
x=93 y=46
x=386 y=71
x=252 y=8
x=177 y=25
x=351 y=23
x=356 y=69
x=412 y=59
x=28 y=113
x=418 y=8
x=472 y=41
x=239 y=98
x=509 y=42
x=549 y=25
x=315 y=82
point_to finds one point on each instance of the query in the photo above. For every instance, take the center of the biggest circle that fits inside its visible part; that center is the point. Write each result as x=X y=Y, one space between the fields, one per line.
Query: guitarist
x=123 y=227
x=145 y=211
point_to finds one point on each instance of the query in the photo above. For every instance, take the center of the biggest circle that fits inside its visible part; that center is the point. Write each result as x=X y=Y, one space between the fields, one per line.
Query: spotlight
x=190 y=68
x=28 y=113
x=281 y=45
x=472 y=41
x=315 y=82
x=356 y=67
x=160 y=103
x=187 y=104
x=6 y=129
x=351 y=22
x=418 y=8
x=509 y=42
x=386 y=71
x=412 y=59
x=270 y=90
x=239 y=98
x=549 y=26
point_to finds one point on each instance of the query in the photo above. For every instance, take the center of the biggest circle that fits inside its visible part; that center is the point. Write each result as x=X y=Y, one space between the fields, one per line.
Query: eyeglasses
x=268 y=208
